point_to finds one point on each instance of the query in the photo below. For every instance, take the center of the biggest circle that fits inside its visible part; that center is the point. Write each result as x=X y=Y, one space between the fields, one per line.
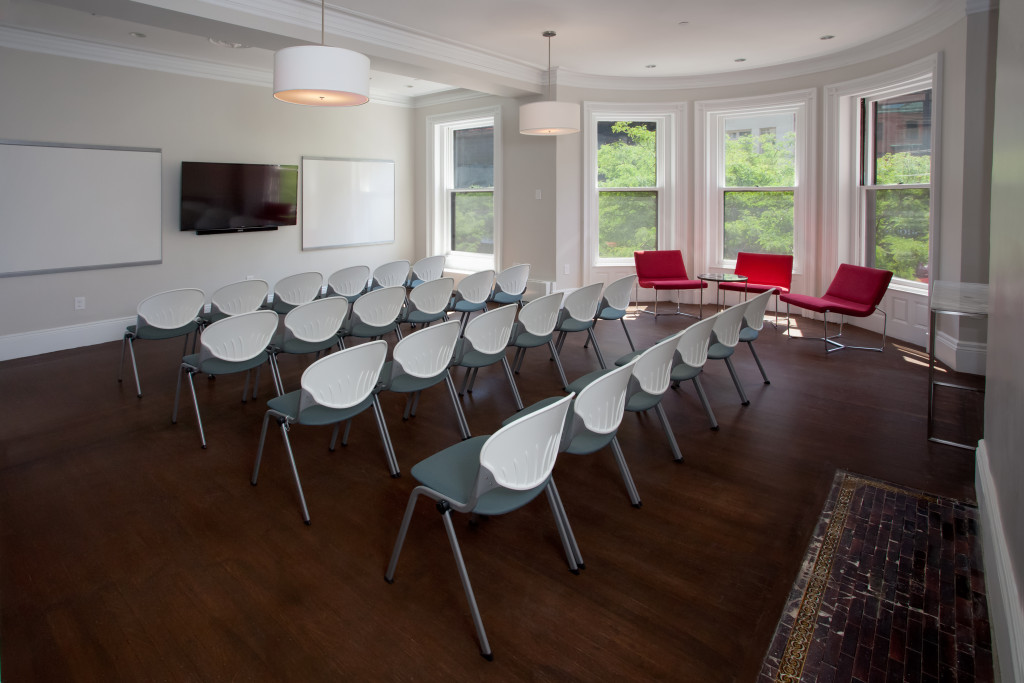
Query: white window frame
x=710 y=194
x=440 y=179
x=670 y=120
x=844 y=208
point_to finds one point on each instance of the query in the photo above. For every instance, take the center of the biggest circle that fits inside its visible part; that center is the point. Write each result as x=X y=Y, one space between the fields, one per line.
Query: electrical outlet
x=537 y=195
x=250 y=277
x=79 y=303
x=565 y=269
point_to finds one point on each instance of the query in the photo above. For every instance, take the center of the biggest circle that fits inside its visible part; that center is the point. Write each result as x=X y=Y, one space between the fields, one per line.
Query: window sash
x=485 y=245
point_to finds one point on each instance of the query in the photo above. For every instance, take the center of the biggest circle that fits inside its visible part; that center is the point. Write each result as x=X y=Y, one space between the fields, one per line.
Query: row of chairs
x=501 y=473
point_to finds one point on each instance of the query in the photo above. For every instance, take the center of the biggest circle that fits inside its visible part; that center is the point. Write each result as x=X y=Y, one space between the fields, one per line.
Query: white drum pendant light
x=549 y=117
x=321 y=76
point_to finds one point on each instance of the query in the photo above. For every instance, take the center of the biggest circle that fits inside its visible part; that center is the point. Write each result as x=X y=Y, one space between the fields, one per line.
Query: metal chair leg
x=627 y=478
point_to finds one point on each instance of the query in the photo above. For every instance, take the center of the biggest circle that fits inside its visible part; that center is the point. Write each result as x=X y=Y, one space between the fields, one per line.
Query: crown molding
x=930 y=26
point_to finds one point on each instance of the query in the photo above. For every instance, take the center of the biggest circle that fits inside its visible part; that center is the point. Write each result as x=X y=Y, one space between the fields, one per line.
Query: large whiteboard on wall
x=347 y=202
x=73 y=207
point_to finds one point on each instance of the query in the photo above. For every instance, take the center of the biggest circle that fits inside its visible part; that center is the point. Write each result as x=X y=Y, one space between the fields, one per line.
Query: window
x=629 y=204
x=464 y=214
x=880 y=183
x=754 y=196
x=895 y=175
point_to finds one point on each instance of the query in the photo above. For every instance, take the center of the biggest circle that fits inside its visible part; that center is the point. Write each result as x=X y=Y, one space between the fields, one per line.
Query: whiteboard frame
x=316 y=236
x=96 y=266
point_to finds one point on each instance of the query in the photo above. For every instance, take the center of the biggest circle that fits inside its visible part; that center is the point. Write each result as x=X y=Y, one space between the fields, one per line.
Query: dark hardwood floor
x=128 y=553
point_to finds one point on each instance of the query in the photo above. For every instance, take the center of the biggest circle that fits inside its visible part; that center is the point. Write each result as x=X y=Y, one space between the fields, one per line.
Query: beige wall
x=1004 y=400
x=56 y=99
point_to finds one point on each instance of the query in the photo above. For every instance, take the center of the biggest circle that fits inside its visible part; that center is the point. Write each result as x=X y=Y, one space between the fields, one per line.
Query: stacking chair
x=493 y=475
x=664 y=269
x=392 y=274
x=425 y=270
x=235 y=344
x=615 y=302
x=510 y=285
x=428 y=302
x=471 y=294
x=166 y=315
x=335 y=389
x=577 y=315
x=308 y=328
x=421 y=361
x=238 y=297
x=296 y=289
x=483 y=344
x=348 y=282
x=375 y=314
x=753 y=321
x=652 y=374
x=725 y=335
x=535 y=327
x=855 y=291
x=594 y=418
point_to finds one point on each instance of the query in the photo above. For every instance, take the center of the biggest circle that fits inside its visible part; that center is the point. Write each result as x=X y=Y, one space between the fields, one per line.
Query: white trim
x=1006 y=614
x=710 y=116
x=670 y=118
x=24 y=344
x=961 y=356
x=841 y=194
x=438 y=129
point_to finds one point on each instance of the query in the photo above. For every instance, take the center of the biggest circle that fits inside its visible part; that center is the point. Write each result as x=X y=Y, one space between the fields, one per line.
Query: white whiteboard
x=67 y=207
x=346 y=202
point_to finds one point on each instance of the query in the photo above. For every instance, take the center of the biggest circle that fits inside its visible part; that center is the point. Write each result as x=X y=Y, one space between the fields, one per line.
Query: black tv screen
x=218 y=197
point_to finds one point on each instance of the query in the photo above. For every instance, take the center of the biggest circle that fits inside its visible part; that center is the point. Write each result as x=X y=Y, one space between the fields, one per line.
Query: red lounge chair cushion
x=764 y=272
x=855 y=291
x=663 y=269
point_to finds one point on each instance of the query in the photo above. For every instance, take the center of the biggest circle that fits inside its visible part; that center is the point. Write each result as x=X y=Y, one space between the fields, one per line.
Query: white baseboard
x=1006 y=614
x=61 y=338
x=960 y=355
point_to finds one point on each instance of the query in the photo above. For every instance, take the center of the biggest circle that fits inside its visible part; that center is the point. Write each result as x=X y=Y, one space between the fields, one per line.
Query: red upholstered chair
x=664 y=269
x=765 y=272
x=855 y=291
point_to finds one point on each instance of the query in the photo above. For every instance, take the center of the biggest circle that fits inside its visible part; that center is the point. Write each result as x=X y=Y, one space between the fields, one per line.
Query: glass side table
x=723 y=277
x=964 y=299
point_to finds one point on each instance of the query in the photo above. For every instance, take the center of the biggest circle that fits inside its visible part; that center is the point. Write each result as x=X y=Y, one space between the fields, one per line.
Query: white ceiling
x=494 y=46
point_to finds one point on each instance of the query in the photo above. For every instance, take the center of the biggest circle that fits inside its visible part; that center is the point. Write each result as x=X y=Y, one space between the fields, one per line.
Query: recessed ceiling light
x=741 y=59
x=136 y=34
x=683 y=23
x=228 y=44
x=826 y=37
x=651 y=66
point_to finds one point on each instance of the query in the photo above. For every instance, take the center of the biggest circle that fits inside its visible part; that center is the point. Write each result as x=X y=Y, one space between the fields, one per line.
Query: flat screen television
x=220 y=197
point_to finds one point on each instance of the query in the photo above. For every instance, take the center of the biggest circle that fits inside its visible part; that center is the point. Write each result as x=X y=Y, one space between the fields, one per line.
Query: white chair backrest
x=240 y=337
x=753 y=317
x=318 y=320
x=490 y=331
x=540 y=315
x=728 y=324
x=380 y=307
x=616 y=295
x=239 y=297
x=601 y=403
x=428 y=351
x=298 y=289
x=581 y=304
x=171 y=309
x=692 y=346
x=513 y=279
x=653 y=367
x=476 y=287
x=391 y=274
x=521 y=455
x=344 y=378
x=429 y=268
x=348 y=281
x=432 y=296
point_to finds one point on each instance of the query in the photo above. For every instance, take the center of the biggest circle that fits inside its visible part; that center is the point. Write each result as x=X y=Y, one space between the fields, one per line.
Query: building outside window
x=464 y=205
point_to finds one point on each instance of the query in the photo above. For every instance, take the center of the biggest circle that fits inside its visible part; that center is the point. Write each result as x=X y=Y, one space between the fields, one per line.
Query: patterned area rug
x=891 y=589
